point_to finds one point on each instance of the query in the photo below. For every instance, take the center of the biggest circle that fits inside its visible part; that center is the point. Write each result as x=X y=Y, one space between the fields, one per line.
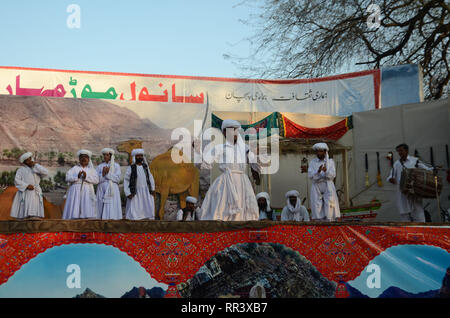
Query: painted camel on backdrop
x=182 y=179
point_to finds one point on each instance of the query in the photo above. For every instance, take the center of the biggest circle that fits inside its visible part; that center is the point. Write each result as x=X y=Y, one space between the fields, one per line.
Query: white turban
x=230 y=123
x=110 y=192
x=293 y=209
x=320 y=146
x=191 y=199
x=292 y=193
x=108 y=150
x=88 y=153
x=266 y=196
x=25 y=156
x=138 y=151
x=84 y=152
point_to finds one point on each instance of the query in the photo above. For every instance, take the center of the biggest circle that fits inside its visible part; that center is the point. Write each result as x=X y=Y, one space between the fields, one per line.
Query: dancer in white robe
x=409 y=207
x=108 y=193
x=265 y=210
x=81 y=201
x=323 y=196
x=28 y=201
x=231 y=196
x=190 y=212
x=294 y=210
x=138 y=189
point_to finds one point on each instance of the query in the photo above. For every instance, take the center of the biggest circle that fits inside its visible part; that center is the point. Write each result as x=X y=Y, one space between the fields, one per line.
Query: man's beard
x=262 y=206
x=139 y=160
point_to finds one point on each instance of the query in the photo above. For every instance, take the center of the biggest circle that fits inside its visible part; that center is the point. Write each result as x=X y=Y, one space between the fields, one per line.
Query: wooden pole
x=345 y=178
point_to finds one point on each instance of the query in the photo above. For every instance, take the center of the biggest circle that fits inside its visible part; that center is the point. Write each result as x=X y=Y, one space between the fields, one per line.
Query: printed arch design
x=340 y=253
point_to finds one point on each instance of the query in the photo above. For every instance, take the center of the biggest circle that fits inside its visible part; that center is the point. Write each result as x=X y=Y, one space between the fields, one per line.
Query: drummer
x=409 y=207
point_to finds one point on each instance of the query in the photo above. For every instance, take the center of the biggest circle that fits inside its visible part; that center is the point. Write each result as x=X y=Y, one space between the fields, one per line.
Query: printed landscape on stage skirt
x=275 y=262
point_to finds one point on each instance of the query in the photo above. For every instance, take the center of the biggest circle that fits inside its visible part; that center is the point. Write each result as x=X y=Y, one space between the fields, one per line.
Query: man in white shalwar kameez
x=28 y=201
x=265 y=210
x=231 y=196
x=190 y=212
x=294 y=210
x=139 y=187
x=81 y=201
x=409 y=207
x=108 y=193
x=323 y=196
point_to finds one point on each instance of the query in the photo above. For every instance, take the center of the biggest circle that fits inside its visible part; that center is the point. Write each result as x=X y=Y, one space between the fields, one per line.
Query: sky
x=174 y=37
x=104 y=269
x=414 y=268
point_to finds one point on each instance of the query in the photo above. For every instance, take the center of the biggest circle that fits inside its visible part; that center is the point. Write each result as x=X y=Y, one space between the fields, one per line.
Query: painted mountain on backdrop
x=66 y=124
x=393 y=292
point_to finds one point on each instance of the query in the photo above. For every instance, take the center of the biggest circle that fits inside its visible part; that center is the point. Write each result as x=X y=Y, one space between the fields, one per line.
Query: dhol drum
x=420 y=183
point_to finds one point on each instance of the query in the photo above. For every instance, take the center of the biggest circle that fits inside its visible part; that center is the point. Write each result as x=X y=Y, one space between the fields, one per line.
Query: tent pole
x=345 y=177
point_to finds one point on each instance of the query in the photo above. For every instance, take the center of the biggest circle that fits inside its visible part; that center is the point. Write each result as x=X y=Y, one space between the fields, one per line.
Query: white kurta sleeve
x=331 y=170
x=312 y=172
x=91 y=176
x=72 y=175
x=180 y=215
x=40 y=170
x=19 y=181
x=197 y=213
x=126 y=182
x=116 y=176
x=391 y=174
x=420 y=164
x=99 y=171
x=284 y=214
x=152 y=180
x=305 y=214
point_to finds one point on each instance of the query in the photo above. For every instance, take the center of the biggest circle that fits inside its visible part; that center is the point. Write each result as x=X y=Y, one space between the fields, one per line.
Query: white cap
x=84 y=152
x=266 y=196
x=138 y=151
x=191 y=199
x=25 y=156
x=292 y=193
x=230 y=123
x=107 y=150
x=320 y=146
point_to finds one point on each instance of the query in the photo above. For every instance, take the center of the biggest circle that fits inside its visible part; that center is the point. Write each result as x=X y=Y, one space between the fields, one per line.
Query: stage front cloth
x=172 y=252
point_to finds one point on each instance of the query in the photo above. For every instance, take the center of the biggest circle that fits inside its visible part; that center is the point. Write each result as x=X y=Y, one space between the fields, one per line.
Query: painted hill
x=393 y=292
x=283 y=273
x=66 y=124
x=89 y=294
x=155 y=292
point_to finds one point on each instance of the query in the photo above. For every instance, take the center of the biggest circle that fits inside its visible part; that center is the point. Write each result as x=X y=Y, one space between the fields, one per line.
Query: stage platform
x=174 y=252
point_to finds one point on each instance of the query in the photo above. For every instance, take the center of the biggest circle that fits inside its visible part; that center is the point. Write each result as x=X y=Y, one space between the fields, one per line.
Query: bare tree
x=299 y=38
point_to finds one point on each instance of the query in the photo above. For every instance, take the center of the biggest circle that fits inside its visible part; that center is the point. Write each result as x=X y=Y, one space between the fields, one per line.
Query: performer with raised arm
x=231 y=196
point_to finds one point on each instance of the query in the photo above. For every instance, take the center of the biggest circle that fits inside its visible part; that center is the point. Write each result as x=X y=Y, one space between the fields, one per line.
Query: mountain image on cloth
x=278 y=272
x=405 y=271
x=59 y=124
x=88 y=294
x=155 y=292
x=104 y=271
